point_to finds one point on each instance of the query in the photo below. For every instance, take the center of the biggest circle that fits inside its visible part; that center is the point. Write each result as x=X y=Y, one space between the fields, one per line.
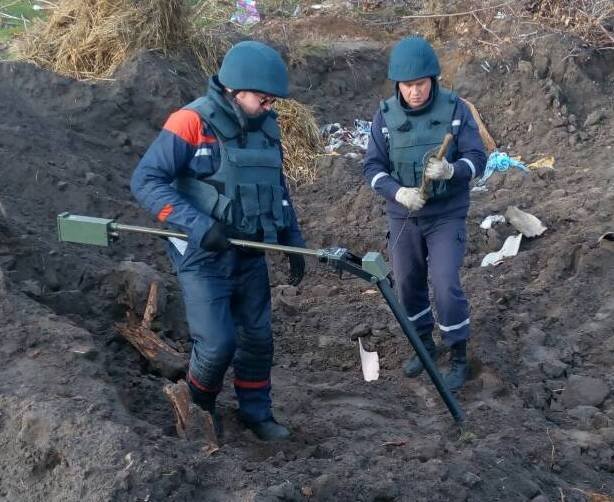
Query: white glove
x=411 y=198
x=438 y=169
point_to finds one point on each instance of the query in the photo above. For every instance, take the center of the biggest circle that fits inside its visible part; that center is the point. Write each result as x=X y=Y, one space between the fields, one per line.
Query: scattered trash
x=48 y=6
x=369 y=362
x=480 y=188
x=489 y=221
x=129 y=461
x=353 y=156
x=500 y=161
x=543 y=163
x=510 y=248
x=336 y=136
x=246 y=13
x=525 y=223
x=607 y=240
x=395 y=442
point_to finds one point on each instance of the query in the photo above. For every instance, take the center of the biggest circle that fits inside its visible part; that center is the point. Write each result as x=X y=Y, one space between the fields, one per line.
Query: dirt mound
x=83 y=417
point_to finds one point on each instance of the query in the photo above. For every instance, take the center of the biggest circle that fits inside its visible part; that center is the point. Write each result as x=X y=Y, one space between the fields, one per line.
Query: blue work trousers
x=431 y=248
x=228 y=306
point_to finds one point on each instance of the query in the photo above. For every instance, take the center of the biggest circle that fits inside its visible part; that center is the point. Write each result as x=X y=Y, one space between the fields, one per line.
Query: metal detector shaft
x=421 y=351
x=236 y=242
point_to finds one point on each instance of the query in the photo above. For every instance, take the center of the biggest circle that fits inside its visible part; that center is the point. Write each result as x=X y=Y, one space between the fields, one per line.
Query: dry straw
x=301 y=140
x=91 y=38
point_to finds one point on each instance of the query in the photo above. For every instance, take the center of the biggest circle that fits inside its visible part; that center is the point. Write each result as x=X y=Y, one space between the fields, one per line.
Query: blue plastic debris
x=500 y=161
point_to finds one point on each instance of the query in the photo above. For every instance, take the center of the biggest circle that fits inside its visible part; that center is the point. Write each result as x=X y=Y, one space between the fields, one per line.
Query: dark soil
x=83 y=417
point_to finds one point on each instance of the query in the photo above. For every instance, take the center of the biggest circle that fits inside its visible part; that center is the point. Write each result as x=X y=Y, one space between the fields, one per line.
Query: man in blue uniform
x=215 y=172
x=427 y=230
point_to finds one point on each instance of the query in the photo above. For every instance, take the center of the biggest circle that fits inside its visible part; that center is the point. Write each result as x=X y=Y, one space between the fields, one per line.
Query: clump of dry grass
x=91 y=38
x=301 y=140
x=590 y=20
x=208 y=31
x=87 y=39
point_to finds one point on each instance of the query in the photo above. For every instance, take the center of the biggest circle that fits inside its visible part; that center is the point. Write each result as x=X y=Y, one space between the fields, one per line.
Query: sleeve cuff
x=199 y=231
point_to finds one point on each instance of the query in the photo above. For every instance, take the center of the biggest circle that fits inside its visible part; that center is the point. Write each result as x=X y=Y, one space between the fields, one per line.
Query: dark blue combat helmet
x=254 y=66
x=411 y=59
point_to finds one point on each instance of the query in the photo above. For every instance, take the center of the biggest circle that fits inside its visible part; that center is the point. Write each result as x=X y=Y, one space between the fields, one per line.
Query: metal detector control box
x=84 y=229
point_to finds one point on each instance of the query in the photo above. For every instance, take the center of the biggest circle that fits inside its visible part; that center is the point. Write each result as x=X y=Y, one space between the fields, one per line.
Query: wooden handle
x=443 y=149
x=441 y=153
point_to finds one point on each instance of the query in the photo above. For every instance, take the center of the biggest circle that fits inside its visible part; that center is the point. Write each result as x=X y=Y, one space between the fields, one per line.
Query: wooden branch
x=192 y=422
x=488 y=140
x=151 y=309
x=163 y=358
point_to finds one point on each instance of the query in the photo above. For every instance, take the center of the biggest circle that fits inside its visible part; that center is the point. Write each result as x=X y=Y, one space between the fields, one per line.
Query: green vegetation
x=15 y=15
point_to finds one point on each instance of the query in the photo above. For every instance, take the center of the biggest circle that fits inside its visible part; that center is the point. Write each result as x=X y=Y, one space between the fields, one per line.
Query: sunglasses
x=267 y=100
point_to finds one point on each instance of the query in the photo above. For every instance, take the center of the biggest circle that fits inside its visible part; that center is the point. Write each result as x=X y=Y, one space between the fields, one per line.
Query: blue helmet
x=412 y=58
x=254 y=66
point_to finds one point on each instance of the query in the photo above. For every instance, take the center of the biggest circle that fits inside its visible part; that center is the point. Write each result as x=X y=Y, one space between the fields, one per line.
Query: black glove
x=297 y=269
x=215 y=239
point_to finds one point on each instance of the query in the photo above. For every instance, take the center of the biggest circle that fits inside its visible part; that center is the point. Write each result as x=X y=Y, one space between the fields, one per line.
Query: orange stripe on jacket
x=188 y=125
x=165 y=212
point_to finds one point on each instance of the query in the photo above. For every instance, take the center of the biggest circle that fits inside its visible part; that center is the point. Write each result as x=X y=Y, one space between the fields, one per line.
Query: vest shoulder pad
x=215 y=117
x=393 y=114
x=198 y=105
x=449 y=95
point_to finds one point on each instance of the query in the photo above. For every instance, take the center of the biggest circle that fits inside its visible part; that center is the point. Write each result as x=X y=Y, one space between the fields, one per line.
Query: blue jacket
x=466 y=153
x=186 y=143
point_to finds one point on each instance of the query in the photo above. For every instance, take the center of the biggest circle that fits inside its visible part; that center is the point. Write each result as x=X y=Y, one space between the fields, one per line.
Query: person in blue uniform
x=427 y=230
x=215 y=172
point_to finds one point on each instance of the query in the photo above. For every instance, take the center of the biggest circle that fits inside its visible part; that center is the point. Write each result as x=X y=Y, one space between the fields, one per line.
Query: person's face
x=254 y=104
x=416 y=92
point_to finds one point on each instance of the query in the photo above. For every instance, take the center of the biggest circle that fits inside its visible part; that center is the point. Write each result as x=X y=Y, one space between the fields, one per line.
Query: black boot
x=269 y=430
x=413 y=367
x=459 y=369
x=206 y=400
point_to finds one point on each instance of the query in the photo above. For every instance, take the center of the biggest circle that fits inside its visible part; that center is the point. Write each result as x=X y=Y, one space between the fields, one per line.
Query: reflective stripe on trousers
x=431 y=248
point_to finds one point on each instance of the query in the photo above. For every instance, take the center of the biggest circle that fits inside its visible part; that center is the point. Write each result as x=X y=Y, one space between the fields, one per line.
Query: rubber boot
x=413 y=366
x=269 y=430
x=206 y=400
x=459 y=369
